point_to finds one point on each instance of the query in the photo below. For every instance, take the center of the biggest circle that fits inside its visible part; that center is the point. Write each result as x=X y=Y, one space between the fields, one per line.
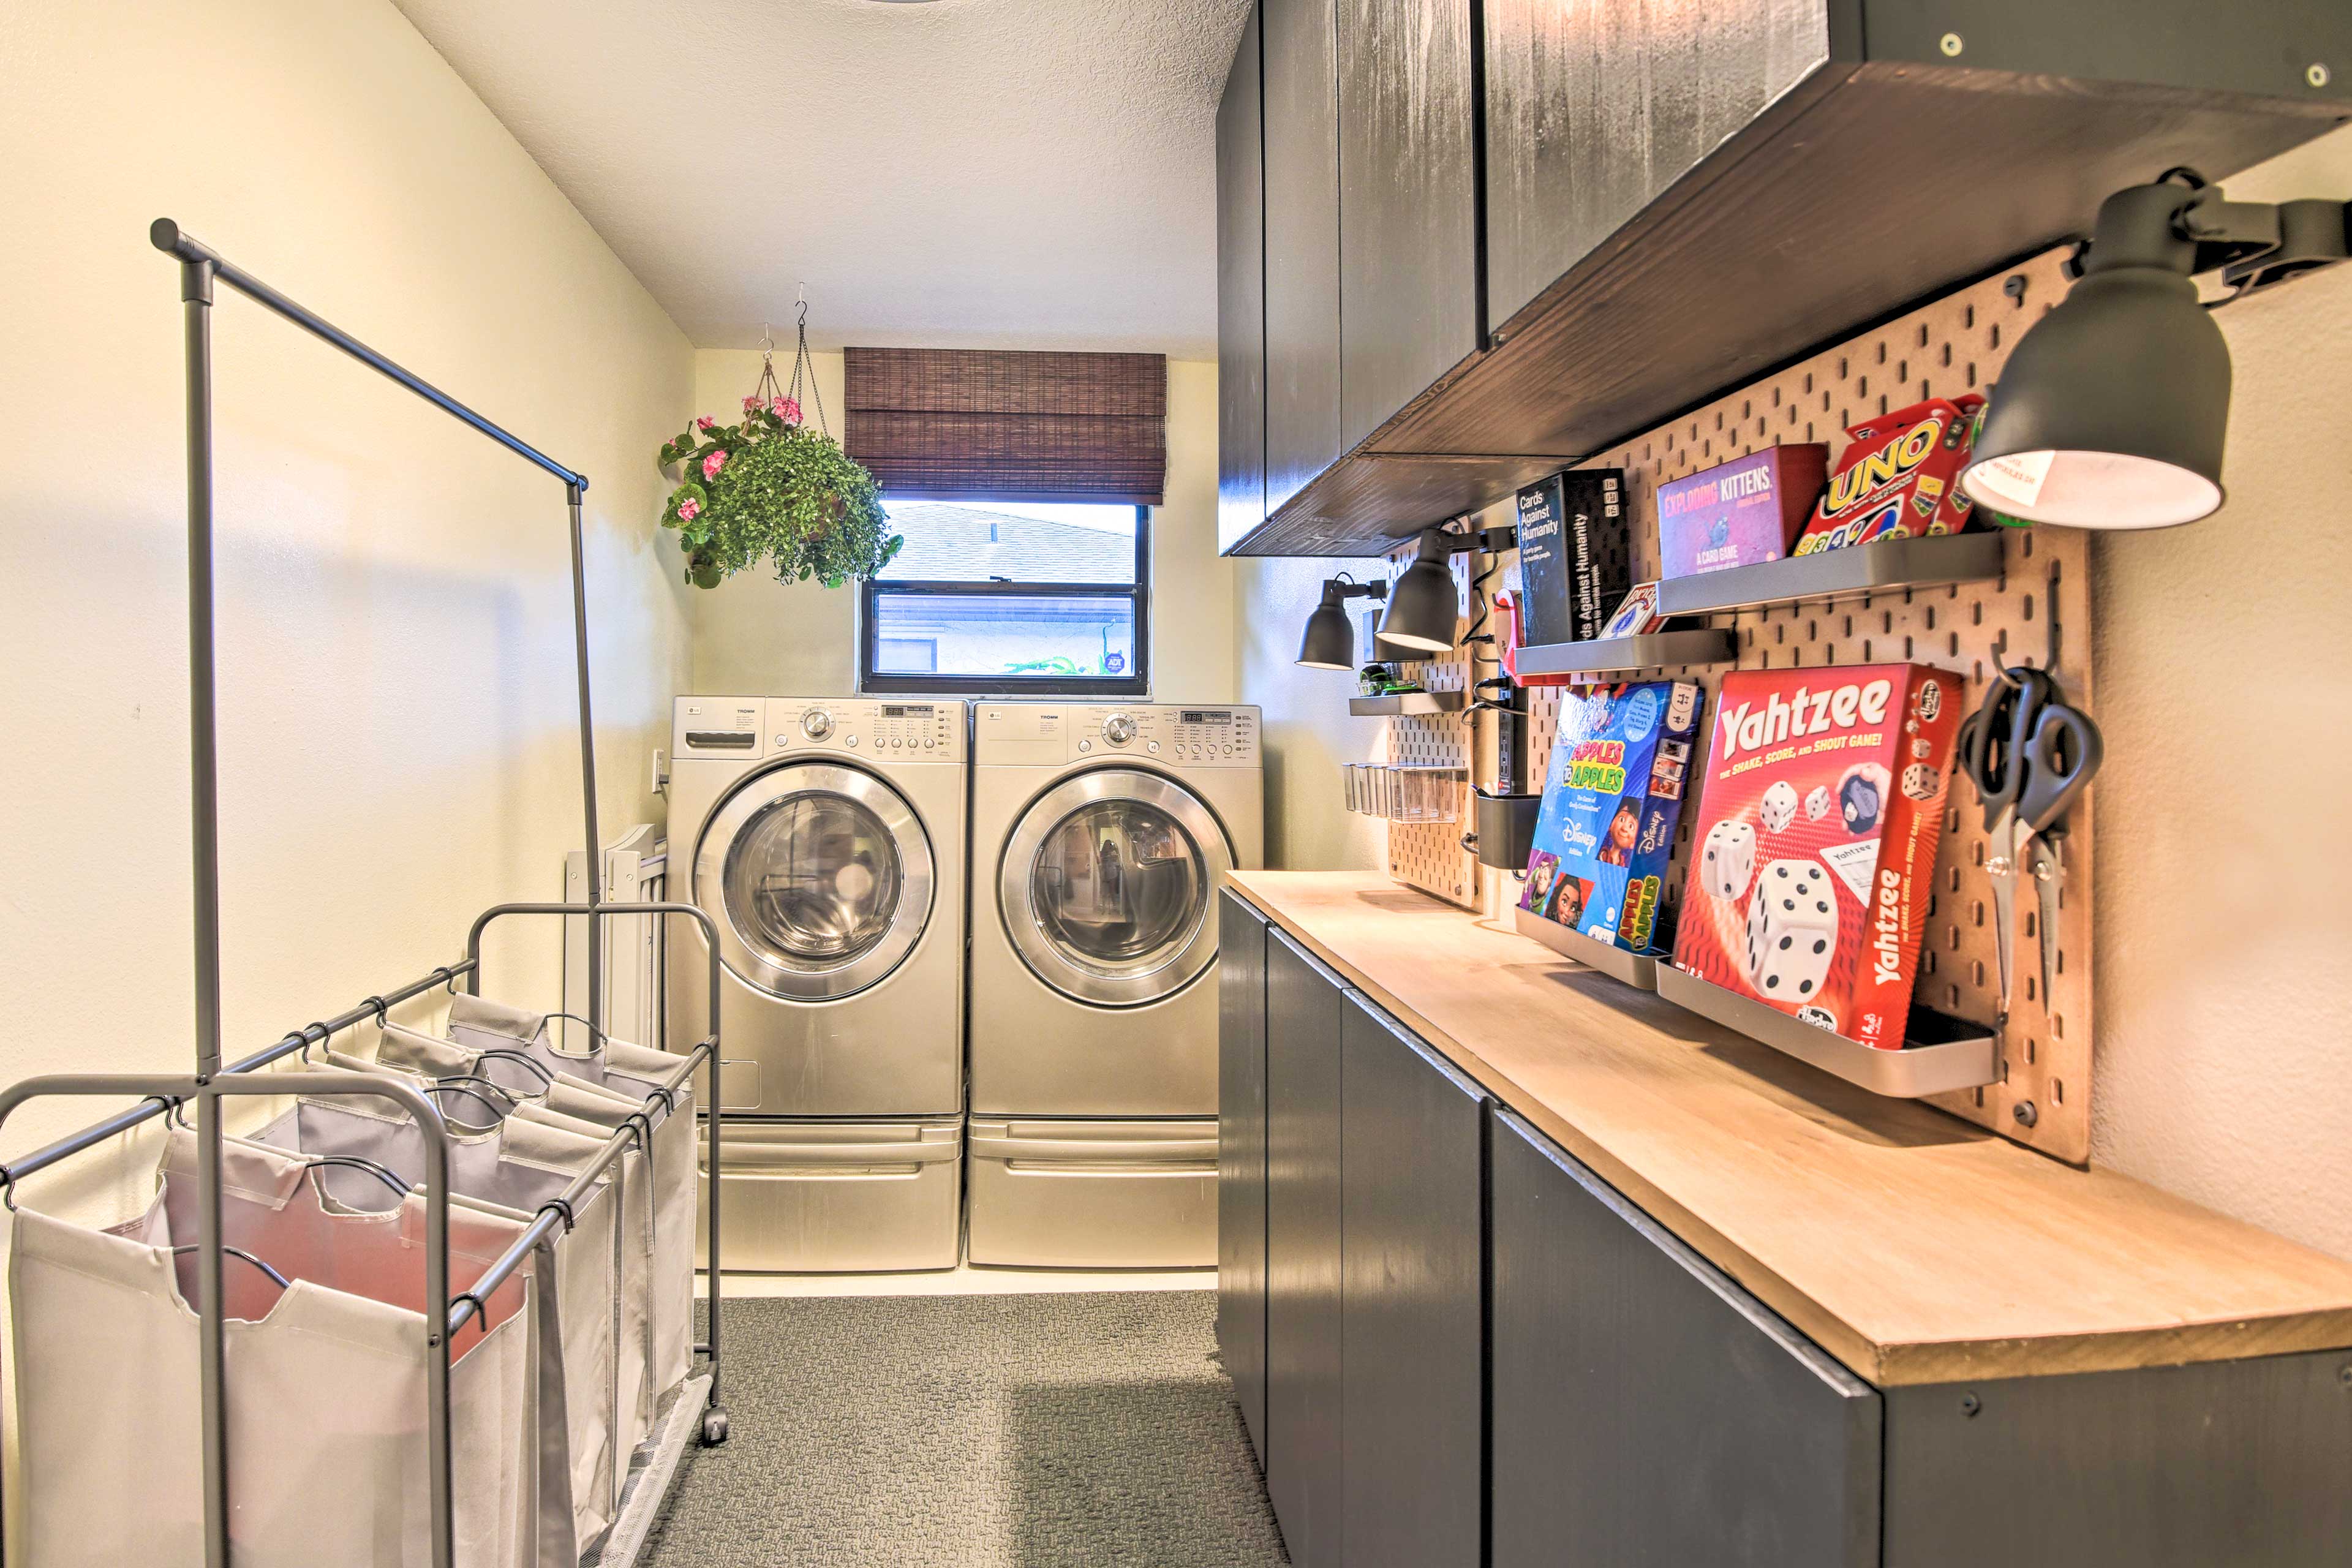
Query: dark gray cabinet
x=1303 y=1431
x=1412 y=1379
x=1241 y=295
x=1241 y=1157
x=1645 y=1409
x=1302 y=243
x=1409 y=284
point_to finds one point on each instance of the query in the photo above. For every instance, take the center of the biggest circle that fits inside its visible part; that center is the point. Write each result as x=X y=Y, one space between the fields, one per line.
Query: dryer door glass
x=1120 y=886
x=1105 y=884
x=813 y=880
x=819 y=879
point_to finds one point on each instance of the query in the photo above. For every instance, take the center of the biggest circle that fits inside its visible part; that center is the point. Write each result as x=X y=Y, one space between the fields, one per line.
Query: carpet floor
x=1031 y=1431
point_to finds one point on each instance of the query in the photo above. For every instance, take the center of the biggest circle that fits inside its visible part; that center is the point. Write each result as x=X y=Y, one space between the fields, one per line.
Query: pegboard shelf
x=1948 y=1054
x=1838 y=574
x=1407 y=702
x=1639 y=970
x=1615 y=656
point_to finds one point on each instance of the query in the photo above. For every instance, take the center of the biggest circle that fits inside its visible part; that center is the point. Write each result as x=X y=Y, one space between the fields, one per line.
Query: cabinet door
x=1593 y=108
x=1241 y=297
x=1302 y=244
x=1302 y=1251
x=1408 y=204
x=1241 y=1157
x=1646 y=1410
x=1414 y=1341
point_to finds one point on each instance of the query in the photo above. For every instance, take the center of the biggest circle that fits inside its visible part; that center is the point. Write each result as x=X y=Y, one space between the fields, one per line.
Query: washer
x=1100 y=831
x=825 y=838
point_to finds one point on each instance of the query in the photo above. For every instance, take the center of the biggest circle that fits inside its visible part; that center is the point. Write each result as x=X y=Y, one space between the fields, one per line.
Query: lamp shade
x=1330 y=641
x=2111 y=411
x=1423 y=608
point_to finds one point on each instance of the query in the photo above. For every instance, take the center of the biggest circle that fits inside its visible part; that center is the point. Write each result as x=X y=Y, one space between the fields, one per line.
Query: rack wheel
x=714 y=1427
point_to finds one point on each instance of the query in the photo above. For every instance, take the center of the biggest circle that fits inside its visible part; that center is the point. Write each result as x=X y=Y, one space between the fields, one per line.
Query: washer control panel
x=859 y=726
x=1200 y=737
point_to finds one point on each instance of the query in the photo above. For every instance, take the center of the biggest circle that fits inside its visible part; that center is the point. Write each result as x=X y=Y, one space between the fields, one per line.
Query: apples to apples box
x=1814 y=852
x=1612 y=793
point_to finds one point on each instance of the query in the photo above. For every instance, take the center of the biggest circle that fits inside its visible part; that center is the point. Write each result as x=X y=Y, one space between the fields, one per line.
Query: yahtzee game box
x=1613 y=795
x=1814 y=853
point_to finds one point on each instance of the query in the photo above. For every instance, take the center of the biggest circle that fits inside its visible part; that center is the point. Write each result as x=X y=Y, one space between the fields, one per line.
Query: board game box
x=1575 y=552
x=1897 y=479
x=1740 y=513
x=1814 y=852
x=1613 y=795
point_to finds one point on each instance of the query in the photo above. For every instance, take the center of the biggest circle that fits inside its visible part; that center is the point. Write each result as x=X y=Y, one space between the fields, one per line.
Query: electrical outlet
x=661 y=774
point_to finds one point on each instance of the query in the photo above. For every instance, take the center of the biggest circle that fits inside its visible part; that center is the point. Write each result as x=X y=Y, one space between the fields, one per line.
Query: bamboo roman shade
x=1020 y=425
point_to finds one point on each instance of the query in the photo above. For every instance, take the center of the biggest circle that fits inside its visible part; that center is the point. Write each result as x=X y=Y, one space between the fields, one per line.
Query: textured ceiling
x=1013 y=173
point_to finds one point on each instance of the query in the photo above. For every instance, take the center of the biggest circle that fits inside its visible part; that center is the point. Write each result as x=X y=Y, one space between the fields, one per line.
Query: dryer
x=1099 y=832
x=825 y=840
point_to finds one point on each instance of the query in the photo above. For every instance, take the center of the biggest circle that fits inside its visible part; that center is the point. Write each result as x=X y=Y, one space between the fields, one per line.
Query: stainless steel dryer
x=825 y=838
x=1098 y=833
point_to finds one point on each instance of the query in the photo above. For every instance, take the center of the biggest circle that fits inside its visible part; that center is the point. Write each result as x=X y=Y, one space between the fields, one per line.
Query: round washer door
x=819 y=879
x=1106 y=887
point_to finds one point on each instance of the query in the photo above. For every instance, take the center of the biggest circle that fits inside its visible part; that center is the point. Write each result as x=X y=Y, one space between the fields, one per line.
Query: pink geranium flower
x=787 y=409
x=712 y=464
x=706 y=423
x=689 y=510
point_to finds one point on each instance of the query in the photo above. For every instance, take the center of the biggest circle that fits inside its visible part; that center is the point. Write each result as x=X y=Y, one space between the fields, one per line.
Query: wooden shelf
x=1398 y=702
x=1617 y=656
x=1838 y=574
x=1914 y=1248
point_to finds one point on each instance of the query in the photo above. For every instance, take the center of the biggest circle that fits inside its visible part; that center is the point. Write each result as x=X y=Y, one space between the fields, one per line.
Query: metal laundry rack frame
x=200 y=269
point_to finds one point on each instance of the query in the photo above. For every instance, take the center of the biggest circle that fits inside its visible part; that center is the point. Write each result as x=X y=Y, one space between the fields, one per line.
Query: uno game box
x=1897 y=477
x=1613 y=795
x=1814 y=852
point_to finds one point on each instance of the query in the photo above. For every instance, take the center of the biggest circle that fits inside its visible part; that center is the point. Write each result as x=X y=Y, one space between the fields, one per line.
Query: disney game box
x=1613 y=795
x=1813 y=851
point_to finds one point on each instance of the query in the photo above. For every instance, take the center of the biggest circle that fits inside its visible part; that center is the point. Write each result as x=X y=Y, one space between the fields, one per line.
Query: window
x=1008 y=598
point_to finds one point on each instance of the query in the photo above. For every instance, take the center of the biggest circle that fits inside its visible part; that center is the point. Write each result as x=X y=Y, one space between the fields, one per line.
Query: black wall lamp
x=1423 y=606
x=1330 y=641
x=2111 y=409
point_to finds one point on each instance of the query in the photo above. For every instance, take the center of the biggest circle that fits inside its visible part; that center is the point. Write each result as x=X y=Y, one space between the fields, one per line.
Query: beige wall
x=2224 y=926
x=396 y=715
x=2224 y=915
x=753 y=634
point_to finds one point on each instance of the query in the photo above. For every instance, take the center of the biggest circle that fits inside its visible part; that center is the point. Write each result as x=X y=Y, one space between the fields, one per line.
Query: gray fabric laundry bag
x=326 y=1379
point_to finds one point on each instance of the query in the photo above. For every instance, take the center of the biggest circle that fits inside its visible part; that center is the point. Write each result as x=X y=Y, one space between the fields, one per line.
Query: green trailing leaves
x=785 y=495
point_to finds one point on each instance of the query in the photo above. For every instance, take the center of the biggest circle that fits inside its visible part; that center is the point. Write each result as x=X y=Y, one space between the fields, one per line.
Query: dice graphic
x=1792 y=962
x=1727 y=860
x=1797 y=893
x=1859 y=798
x=1817 y=804
x=1792 y=924
x=1779 y=807
x=1919 y=781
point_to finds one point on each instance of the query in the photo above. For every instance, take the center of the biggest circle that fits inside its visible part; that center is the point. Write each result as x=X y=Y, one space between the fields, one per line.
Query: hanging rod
x=169 y=237
x=146 y=1111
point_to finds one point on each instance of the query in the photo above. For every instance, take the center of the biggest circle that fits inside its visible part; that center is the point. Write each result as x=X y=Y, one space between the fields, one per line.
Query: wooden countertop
x=1914 y=1248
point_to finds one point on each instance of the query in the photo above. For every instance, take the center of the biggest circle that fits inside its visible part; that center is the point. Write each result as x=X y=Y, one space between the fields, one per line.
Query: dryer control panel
x=1047 y=733
x=907 y=731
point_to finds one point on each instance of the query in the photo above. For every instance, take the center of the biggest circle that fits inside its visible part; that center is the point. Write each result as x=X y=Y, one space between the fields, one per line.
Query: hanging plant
x=771 y=489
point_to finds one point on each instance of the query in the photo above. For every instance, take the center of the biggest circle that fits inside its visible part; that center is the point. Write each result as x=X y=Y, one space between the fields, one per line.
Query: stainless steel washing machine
x=825 y=838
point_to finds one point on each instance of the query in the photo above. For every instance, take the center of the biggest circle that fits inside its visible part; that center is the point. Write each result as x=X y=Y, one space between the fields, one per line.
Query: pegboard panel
x=1429 y=855
x=2038 y=613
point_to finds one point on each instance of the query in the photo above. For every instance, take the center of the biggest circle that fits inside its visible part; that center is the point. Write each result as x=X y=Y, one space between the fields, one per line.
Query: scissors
x=2029 y=754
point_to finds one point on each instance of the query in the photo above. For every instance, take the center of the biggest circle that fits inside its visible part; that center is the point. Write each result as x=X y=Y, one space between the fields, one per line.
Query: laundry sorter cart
x=334 y=1404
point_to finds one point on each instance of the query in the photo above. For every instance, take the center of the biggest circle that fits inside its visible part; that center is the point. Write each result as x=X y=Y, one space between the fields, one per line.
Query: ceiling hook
x=767 y=340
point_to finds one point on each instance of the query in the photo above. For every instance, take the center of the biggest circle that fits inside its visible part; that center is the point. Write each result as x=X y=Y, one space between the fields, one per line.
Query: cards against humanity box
x=1576 y=554
x=1612 y=793
x=1740 y=513
x=1813 y=851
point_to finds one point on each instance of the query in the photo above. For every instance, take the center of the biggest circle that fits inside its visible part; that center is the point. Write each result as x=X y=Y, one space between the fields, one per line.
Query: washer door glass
x=813 y=880
x=819 y=879
x=1106 y=886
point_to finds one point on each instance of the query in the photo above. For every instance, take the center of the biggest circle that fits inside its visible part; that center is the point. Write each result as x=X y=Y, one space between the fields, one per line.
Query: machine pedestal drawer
x=1094 y=1195
x=837 y=1196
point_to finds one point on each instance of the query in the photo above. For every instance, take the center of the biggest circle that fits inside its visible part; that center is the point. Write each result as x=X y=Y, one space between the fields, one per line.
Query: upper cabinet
x=1241 y=297
x=1301 y=117
x=1659 y=201
x=1408 y=204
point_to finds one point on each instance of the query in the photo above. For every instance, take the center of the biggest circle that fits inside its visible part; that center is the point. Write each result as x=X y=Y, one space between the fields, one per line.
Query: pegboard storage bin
x=1638 y=970
x=1402 y=703
x=1967 y=604
x=1626 y=655
x=1942 y=1053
